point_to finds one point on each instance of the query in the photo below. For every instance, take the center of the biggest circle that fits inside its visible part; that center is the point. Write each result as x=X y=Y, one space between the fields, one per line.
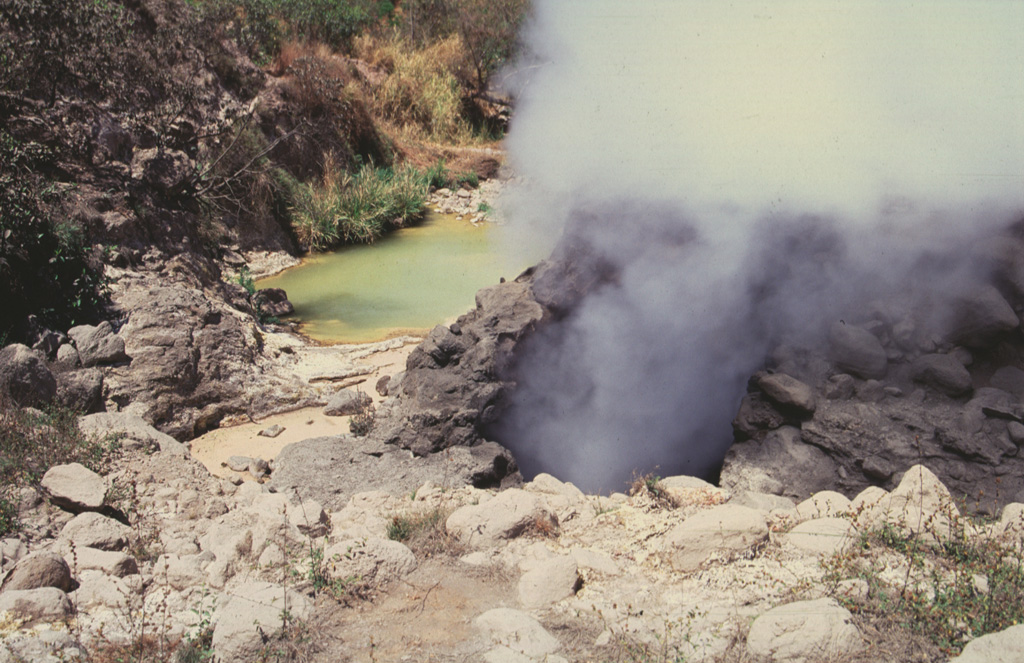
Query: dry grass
x=421 y=94
x=424 y=532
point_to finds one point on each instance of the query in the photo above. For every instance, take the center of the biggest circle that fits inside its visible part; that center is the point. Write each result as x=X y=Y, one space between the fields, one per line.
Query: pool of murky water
x=406 y=282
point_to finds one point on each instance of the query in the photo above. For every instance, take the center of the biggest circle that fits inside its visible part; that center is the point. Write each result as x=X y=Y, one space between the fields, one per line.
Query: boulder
x=273 y=302
x=81 y=390
x=453 y=384
x=517 y=631
x=75 y=487
x=93 y=530
x=44 y=645
x=248 y=614
x=788 y=392
x=804 y=632
x=330 y=470
x=238 y=463
x=132 y=431
x=857 y=351
x=194 y=361
x=98 y=345
x=823 y=504
x=43 y=569
x=507 y=515
x=44 y=604
x=25 y=378
x=347 y=402
x=1006 y=646
x=722 y=531
x=821 y=536
x=369 y=561
x=110 y=562
x=979 y=316
x=166 y=170
x=548 y=582
x=942 y=373
x=780 y=464
x=67 y=358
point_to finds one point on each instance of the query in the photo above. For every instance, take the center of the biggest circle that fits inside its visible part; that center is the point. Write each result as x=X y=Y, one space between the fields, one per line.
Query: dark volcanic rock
x=943 y=373
x=979 y=316
x=857 y=351
x=451 y=387
x=788 y=392
x=346 y=402
x=772 y=464
x=332 y=469
x=188 y=359
x=273 y=302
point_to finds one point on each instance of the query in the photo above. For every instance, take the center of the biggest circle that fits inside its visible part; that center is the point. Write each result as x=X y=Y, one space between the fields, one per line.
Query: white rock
x=309 y=518
x=821 y=536
x=596 y=561
x=248 y=610
x=1006 y=646
x=75 y=487
x=92 y=530
x=549 y=582
x=687 y=490
x=44 y=603
x=181 y=572
x=133 y=431
x=723 y=530
x=506 y=516
x=547 y=484
x=922 y=505
x=373 y=561
x=517 y=631
x=98 y=589
x=824 y=504
x=110 y=562
x=802 y=632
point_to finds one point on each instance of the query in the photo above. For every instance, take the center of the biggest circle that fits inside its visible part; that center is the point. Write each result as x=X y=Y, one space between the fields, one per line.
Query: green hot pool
x=406 y=282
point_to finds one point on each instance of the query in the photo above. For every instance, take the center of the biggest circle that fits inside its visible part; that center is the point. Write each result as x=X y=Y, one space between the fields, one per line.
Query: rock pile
x=561 y=575
x=890 y=391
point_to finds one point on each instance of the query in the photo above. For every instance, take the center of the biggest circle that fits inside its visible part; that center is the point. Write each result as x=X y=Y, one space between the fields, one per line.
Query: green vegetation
x=358 y=208
x=424 y=532
x=31 y=443
x=650 y=485
x=953 y=584
x=45 y=266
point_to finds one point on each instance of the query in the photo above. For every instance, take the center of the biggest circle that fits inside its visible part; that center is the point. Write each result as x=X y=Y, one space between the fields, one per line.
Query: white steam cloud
x=816 y=149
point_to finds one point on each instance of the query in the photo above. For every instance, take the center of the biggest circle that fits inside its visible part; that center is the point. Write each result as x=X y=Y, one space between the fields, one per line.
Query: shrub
x=952 y=584
x=45 y=267
x=422 y=89
x=424 y=533
x=357 y=208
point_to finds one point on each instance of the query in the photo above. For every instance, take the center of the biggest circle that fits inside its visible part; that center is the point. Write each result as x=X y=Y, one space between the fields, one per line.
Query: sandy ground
x=214 y=448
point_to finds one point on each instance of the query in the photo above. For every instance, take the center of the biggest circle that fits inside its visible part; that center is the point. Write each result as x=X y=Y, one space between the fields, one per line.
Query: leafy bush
x=261 y=26
x=45 y=267
x=358 y=208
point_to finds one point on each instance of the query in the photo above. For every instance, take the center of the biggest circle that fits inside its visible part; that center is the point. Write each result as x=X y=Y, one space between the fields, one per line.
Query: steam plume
x=817 y=155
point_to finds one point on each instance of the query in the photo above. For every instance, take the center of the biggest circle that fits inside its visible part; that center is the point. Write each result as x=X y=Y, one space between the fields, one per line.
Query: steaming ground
x=743 y=174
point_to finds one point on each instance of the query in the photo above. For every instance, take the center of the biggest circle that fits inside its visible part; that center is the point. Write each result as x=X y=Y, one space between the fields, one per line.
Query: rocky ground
x=159 y=550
